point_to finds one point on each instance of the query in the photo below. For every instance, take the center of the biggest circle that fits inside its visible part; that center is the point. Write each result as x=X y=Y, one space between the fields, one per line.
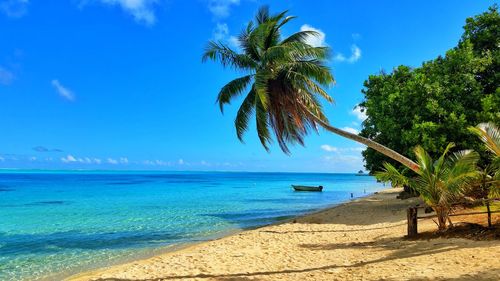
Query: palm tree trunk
x=371 y=144
x=442 y=215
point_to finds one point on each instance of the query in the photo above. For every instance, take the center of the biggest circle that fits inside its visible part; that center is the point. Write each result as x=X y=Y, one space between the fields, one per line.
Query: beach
x=359 y=240
x=100 y=219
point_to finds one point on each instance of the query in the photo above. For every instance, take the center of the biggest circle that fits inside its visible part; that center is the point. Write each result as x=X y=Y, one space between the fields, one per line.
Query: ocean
x=53 y=224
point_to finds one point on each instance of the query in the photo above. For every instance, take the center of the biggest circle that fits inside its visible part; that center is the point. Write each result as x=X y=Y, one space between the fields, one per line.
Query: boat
x=307 y=188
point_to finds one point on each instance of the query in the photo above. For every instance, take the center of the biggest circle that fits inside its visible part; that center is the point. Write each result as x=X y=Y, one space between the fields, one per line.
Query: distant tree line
x=435 y=104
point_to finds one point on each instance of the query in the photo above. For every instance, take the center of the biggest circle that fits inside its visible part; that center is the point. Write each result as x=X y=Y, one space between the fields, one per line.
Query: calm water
x=65 y=222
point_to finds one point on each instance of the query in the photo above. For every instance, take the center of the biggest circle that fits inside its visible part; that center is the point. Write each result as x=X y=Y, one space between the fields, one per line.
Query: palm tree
x=489 y=133
x=441 y=182
x=283 y=83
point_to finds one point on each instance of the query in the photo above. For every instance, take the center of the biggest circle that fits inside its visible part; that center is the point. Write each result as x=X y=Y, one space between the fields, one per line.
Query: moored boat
x=307 y=188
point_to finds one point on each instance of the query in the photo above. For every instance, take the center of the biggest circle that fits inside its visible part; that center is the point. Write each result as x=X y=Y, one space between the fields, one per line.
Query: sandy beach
x=359 y=240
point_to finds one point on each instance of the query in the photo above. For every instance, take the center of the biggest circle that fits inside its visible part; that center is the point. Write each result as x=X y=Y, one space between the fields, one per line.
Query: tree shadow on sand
x=401 y=249
x=488 y=275
x=334 y=231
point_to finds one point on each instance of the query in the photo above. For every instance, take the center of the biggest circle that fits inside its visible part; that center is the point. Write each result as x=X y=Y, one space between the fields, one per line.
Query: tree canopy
x=434 y=104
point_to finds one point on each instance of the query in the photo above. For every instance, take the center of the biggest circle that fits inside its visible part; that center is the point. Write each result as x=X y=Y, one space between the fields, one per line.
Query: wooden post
x=412 y=221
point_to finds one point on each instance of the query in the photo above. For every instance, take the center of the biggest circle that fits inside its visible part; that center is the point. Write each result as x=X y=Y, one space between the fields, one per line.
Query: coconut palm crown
x=283 y=84
x=285 y=79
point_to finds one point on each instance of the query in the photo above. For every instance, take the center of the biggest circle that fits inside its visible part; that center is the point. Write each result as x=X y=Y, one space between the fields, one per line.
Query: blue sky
x=119 y=84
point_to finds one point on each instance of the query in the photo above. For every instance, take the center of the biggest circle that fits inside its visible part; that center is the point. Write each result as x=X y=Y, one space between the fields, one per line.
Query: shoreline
x=185 y=245
x=361 y=239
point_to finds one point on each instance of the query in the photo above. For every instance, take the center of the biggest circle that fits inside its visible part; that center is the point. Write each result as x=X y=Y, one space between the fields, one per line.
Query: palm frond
x=261 y=119
x=247 y=41
x=390 y=174
x=244 y=114
x=461 y=170
x=262 y=14
x=286 y=20
x=233 y=89
x=438 y=165
x=424 y=160
x=489 y=133
x=301 y=36
x=227 y=57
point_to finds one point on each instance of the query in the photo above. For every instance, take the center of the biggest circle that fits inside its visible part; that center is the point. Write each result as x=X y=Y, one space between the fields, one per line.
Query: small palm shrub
x=441 y=183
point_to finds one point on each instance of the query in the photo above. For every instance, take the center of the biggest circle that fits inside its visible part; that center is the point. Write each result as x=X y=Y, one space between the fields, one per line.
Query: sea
x=57 y=223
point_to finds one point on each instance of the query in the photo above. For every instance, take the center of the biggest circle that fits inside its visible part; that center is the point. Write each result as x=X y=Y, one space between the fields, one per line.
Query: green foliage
x=483 y=31
x=440 y=183
x=434 y=104
x=283 y=83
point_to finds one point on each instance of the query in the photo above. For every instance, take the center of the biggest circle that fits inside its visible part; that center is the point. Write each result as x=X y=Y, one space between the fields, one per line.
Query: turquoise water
x=65 y=222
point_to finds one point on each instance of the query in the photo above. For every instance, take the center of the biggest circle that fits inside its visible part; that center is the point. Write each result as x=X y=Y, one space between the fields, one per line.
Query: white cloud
x=83 y=160
x=123 y=160
x=355 y=55
x=359 y=113
x=339 y=57
x=221 y=31
x=221 y=8
x=315 y=41
x=329 y=148
x=141 y=10
x=6 y=76
x=14 y=8
x=63 y=91
x=68 y=159
x=33 y=158
x=112 y=161
x=351 y=162
x=181 y=162
x=350 y=130
x=234 y=42
x=2 y=159
x=346 y=159
x=155 y=163
x=358 y=149
x=162 y=163
x=343 y=157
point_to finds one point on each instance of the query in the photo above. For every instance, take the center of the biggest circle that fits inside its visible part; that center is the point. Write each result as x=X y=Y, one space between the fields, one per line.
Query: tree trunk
x=442 y=216
x=371 y=144
x=489 y=213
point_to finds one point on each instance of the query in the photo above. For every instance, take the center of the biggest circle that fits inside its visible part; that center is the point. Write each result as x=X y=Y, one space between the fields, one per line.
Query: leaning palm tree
x=284 y=80
x=440 y=183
